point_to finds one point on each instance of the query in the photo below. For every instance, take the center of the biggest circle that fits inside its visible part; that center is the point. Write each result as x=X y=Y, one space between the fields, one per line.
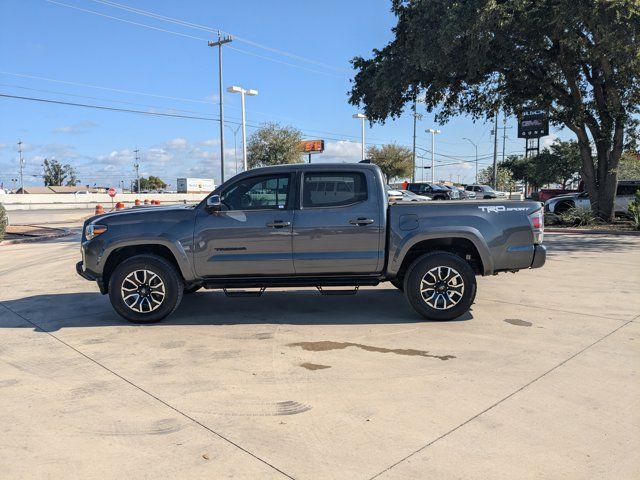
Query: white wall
x=54 y=201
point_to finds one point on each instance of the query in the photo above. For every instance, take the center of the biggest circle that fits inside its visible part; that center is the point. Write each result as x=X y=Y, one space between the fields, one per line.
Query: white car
x=624 y=196
x=407 y=196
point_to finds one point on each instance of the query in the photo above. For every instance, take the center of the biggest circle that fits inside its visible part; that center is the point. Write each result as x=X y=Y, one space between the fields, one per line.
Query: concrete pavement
x=538 y=381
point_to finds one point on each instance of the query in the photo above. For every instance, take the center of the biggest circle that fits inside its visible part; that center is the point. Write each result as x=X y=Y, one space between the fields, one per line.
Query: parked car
x=454 y=193
x=394 y=195
x=462 y=193
x=408 y=196
x=483 y=192
x=307 y=225
x=436 y=192
x=624 y=196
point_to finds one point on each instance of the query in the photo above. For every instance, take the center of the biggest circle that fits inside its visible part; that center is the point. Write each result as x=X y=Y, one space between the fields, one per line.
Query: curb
x=41 y=238
x=575 y=231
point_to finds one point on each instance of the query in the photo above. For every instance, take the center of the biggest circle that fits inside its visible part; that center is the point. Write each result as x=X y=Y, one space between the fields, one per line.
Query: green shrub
x=3 y=221
x=551 y=218
x=634 y=211
x=579 y=217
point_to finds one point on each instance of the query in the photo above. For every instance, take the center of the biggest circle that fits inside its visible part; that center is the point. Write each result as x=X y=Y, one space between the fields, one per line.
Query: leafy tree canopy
x=394 y=161
x=629 y=168
x=274 y=145
x=558 y=164
x=505 y=183
x=55 y=174
x=578 y=59
x=151 y=183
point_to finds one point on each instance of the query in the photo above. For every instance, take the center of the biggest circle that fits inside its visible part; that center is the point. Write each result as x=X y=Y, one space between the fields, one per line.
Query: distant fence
x=61 y=201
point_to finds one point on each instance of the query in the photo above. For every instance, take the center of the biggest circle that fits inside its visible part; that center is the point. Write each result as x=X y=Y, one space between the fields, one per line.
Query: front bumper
x=86 y=274
x=539 y=256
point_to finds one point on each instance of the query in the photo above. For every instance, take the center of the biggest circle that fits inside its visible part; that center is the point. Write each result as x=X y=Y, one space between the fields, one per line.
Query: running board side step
x=338 y=292
x=243 y=293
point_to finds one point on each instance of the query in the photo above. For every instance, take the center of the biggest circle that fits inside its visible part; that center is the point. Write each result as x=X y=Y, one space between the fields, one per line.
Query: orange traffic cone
x=119 y=206
x=99 y=210
x=137 y=202
x=146 y=202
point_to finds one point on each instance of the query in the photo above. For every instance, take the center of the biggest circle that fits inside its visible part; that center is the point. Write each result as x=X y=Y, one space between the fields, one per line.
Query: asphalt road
x=540 y=380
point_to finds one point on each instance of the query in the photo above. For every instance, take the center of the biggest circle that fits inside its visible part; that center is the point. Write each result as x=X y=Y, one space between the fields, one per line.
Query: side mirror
x=214 y=204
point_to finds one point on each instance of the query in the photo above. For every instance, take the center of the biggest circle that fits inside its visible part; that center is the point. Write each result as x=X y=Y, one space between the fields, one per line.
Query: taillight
x=537 y=224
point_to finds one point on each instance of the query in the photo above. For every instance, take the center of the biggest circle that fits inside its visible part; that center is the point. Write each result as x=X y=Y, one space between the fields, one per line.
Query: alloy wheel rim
x=442 y=288
x=143 y=291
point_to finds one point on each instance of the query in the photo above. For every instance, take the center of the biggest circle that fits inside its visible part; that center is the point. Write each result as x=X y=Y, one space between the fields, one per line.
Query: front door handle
x=278 y=224
x=361 y=221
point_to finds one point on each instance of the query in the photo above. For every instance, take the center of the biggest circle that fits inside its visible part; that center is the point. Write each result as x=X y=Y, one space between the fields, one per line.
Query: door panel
x=252 y=236
x=343 y=237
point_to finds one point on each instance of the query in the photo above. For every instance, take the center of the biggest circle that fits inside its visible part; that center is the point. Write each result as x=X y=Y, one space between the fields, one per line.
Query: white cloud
x=546 y=142
x=177 y=143
x=76 y=128
x=340 y=151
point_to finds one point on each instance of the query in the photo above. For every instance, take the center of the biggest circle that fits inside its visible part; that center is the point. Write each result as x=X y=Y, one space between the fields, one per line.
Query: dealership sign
x=312 y=146
x=533 y=123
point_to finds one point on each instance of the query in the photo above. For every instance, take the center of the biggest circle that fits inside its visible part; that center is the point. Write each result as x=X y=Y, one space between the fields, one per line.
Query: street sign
x=312 y=146
x=533 y=123
x=111 y=192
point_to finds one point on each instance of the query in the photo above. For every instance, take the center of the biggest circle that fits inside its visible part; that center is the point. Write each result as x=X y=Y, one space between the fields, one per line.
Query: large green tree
x=578 y=59
x=274 y=145
x=559 y=163
x=150 y=183
x=55 y=174
x=629 y=168
x=505 y=181
x=394 y=161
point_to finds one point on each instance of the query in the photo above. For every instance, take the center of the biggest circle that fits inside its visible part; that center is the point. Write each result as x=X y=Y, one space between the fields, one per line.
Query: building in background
x=195 y=185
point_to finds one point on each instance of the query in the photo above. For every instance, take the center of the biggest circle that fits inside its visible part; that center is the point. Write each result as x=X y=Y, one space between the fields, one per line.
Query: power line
x=184 y=23
x=164 y=30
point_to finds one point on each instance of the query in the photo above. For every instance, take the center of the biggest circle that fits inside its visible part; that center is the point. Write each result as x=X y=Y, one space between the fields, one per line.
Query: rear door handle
x=361 y=221
x=278 y=224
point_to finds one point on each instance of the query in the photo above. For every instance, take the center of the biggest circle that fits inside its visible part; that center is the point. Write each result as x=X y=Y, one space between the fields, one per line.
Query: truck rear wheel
x=440 y=286
x=145 y=289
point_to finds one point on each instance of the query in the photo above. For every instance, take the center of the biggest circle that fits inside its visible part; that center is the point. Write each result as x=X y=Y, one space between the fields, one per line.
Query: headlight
x=93 y=231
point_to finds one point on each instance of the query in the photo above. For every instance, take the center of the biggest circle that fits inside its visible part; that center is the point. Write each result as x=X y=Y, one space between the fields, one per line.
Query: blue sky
x=295 y=53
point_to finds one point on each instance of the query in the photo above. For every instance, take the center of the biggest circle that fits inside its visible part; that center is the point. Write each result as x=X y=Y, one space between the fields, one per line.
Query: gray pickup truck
x=324 y=225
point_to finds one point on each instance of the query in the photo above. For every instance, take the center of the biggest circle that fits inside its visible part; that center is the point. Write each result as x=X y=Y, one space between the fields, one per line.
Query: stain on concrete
x=290 y=408
x=314 y=366
x=325 y=345
x=94 y=341
x=518 y=322
x=173 y=344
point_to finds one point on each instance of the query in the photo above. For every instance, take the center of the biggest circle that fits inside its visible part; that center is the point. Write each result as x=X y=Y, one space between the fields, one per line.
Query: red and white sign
x=111 y=192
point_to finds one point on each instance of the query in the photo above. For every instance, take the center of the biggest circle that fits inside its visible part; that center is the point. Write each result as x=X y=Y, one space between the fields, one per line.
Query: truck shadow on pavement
x=293 y=307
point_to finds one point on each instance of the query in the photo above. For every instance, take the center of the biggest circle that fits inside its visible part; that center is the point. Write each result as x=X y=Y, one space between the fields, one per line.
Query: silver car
x=624 y=196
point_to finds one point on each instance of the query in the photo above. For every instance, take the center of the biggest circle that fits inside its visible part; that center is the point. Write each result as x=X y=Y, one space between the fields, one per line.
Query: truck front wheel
x=145 y=289
x=440 y=286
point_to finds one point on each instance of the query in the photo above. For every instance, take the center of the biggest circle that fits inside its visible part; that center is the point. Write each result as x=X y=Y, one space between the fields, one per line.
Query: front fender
x=402 y=246
x=175 y=247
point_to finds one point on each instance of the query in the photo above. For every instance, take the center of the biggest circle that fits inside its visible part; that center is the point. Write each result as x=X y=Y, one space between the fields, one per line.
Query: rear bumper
x=539 y=256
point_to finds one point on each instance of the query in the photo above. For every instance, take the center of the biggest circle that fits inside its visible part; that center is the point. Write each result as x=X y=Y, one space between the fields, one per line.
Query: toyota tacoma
x=307 y=225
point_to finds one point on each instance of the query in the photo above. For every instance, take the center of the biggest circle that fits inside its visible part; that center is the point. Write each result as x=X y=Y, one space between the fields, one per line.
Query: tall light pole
x=221 y=41
x=21 y=166
x=235 y=143
x=416 y=116
x=433 y=152
x=362 y=117
x=495 y=152
x=243 y=92
x=136 y=165
x=472 y=143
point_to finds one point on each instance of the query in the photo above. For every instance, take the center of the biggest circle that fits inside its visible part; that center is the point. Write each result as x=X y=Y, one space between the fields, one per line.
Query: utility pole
x=504 y=135
x=21 y=166
x=221 y=41
x=433 y=152
x=495 y=152
x=416 y=116
x=136 y=165
x=476 y=146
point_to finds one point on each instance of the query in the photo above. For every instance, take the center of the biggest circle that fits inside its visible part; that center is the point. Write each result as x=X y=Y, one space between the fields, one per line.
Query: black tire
x=562 y=207
x=172 y=284
x=464 y=278
x=398 y=283
x=189 y=289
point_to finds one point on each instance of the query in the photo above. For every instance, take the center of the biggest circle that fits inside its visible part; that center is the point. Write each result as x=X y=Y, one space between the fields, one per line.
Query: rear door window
x=333 y=189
